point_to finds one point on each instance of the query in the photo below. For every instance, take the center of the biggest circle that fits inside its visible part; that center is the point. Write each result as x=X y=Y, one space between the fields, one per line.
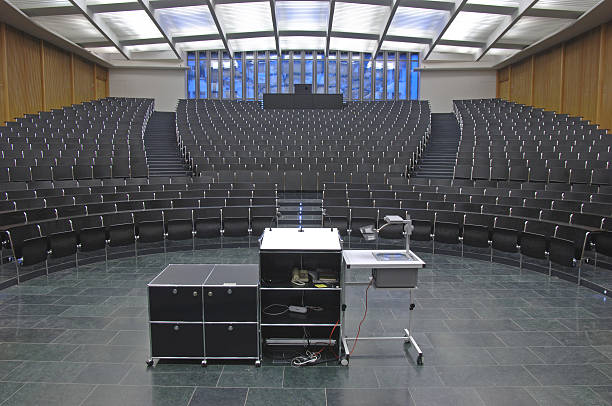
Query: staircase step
x=162 y=150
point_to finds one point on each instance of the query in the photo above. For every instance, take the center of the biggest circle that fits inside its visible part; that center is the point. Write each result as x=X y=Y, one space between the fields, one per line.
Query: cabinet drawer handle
x=195 y=293
x=210 y=293
x=230 y=328
x=229 y=291
x=174 y=291
x=176 y=328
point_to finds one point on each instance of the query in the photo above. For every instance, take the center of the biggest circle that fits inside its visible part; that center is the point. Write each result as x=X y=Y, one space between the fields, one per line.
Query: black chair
x=447 y=227
x=262 y=217
x=149 y=226
x=477 y=230
x=120 y=169
x=236 y=221
x=207 y=222
x=62 y=173
x=179 y=224
x=505 y=235
x=16 y=239
x=120 y=229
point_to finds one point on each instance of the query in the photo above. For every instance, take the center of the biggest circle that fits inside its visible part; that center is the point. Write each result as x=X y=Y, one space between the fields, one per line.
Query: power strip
x=298 y=309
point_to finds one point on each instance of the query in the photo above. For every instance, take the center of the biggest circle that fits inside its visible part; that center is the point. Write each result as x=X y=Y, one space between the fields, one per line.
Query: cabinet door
x=167 y=303
x=177 y=340
x=231 y=340
x=230 y=304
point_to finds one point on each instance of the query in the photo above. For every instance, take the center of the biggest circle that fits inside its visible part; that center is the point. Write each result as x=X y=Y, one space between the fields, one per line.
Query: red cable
x=330 y=338
x=364 y=317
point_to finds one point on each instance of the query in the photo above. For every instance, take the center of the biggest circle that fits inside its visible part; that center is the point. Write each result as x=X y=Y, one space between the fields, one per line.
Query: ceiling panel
x=245 y=17
x=187 y=20
x=507 y=3
x=581 y=5
x=131 y=24
x=91 y=2
x=455 y=49
x=288 y=43
x=250 y=44
x=473 y=26
x=416 y=22
x=351 y=44
x=23 y=4
x=200 y=45
x=362 y=18
x=302 y=15
x=73 y=27
x=148 y=47
x=402 y=46
x=528 y=30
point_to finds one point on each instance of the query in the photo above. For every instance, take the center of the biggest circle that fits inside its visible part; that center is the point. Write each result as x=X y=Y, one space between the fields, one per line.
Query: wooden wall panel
x=57 y=78
x=83 y=80
x=24 y=73
x=605 y=108
x=547 y=80
x=4 y=107
x=574 y=78
x=520 y=82
x=35 y=76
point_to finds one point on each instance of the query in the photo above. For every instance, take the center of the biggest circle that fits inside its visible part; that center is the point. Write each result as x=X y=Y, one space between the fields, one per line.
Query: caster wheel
x=149 y=363
x=204 y=364
x=344 y=362
x=420 y=360
x=258 y=364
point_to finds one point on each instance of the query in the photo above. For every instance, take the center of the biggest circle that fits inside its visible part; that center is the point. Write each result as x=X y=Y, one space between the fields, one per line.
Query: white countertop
x=292 y=239
x=366 y=259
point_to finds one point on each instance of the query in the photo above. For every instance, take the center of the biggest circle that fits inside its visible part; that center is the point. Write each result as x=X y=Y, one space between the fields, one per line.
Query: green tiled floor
x=491 y=335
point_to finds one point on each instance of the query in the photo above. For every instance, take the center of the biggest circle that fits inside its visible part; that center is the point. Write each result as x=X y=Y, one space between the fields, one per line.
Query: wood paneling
x=35 y=76
x=580 y=76
x=4 y=106
x=24 y=73
x=57 y=78
x=547 y=80
x=520 y=82
x=574 y=78
x=83 y=80
x=605 y=108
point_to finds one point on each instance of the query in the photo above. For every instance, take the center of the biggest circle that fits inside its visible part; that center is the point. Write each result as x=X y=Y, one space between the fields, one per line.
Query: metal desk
x=390 y=269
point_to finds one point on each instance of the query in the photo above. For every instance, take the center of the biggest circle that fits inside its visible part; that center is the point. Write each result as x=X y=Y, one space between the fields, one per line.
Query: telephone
x=299 y=277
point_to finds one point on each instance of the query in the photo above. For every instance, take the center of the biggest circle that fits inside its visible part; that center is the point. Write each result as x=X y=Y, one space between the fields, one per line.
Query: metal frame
x=453 y=12
x=162 y=30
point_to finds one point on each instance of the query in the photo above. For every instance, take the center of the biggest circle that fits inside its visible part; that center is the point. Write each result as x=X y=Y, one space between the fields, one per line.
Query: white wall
x=166 y=86
x=441 y=87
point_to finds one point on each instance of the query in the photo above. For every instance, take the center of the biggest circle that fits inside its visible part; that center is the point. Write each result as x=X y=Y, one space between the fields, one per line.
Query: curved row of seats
x=229 y=136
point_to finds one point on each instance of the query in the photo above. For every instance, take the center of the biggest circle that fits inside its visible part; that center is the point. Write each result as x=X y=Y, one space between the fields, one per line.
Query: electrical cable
x=365 y=313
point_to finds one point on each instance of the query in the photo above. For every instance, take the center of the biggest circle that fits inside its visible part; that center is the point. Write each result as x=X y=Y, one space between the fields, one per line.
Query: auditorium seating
x=503 y=141
x=93 y=140
x=369 y=142
x=566 y=226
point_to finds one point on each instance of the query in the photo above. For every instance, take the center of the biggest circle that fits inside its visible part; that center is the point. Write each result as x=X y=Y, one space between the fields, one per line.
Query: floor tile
x=506 y=397
x=239 y=376
x=29 y=335
x=51 y=372
x=49 y=394
x=570 y=355
x=196 y=376
x=276 y=397
x=527 y=338
x=482 y=325
x=605 y=392
x=105 y=395
x=35 y=352
x=485 y=376
x=445 y=396
x=368 y=397
x=514 y=356
x=464 y=340
x=100 y=353
x=103 y=373
x=219 y=396
x=86 y=336
x=566 y=396
x=404 y=377
x=7 y=389
x=568 y=375
x=330 y=377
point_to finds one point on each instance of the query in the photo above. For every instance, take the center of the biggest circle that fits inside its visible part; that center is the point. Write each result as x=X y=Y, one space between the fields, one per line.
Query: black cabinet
x=231 y=340
x=175 y=303
x=230 y=303
x=177 y=340
x=205 y=312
